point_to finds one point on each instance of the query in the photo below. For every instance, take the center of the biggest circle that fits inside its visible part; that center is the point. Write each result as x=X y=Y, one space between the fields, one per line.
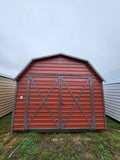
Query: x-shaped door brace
x=43 y=102
x=76 y=102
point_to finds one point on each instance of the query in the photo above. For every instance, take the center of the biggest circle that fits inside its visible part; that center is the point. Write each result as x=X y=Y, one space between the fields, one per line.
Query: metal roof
x=6 y=76
x=59 y=54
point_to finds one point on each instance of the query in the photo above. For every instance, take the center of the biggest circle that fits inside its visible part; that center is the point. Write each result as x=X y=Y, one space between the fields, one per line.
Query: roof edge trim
x=6 y=76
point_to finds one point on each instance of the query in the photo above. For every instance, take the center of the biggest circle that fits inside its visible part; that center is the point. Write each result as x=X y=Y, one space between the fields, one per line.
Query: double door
x=59 y=102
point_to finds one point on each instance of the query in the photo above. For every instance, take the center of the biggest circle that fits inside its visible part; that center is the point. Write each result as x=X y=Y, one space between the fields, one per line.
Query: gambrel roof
x=56 y=55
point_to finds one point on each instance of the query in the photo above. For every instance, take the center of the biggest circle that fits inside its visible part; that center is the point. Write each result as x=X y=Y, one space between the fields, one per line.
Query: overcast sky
x=88 y=29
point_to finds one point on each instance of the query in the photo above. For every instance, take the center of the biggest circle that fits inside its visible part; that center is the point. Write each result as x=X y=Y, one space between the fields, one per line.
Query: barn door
x=42 y=102
x=77 y=103
x=59 y=102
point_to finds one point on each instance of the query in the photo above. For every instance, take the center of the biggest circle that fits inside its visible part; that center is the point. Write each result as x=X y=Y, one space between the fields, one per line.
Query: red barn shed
x=60 y=93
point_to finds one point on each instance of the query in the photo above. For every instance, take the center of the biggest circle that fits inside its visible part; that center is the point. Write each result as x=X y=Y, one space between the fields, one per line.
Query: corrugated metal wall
x=76 y=119
x=43 y=118
x=112 y=100
x=52 y=66
x=7 y=91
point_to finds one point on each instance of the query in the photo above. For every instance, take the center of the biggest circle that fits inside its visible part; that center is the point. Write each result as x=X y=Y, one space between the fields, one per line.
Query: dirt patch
x=86 y=155
x=25 y=138
x=81 y=138
x=57 y=139
x=76 y=140
x=7 y=135
x=87 y=139
x=11 y=142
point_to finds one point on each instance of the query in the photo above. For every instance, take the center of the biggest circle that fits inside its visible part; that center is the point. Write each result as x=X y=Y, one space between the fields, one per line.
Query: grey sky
x=88 y=29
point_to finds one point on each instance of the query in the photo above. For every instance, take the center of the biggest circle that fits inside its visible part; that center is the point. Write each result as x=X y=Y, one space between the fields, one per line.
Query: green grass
x=112 y=123
x=92 y=145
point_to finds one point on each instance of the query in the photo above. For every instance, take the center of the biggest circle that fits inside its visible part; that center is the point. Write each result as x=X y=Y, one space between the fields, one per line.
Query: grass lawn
x=94 y=145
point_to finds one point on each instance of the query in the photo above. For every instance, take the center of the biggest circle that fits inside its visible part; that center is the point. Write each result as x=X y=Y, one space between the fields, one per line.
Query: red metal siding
x=51 y=66
x=43 y=119
x=76 y=119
